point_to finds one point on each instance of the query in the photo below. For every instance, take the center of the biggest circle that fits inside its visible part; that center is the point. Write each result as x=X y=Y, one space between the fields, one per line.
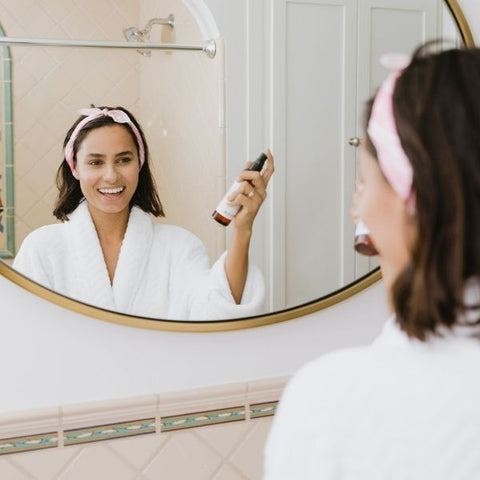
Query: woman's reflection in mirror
x=406 y=406
x=106 y=250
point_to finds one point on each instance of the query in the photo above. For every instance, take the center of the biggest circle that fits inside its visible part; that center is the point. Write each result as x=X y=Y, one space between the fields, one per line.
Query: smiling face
x=107 y=168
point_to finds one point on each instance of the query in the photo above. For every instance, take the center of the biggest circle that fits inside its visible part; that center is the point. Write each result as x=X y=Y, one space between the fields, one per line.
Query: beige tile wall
x=217 y=452
x=176 y=97
x=187 y=129
x=232 y=450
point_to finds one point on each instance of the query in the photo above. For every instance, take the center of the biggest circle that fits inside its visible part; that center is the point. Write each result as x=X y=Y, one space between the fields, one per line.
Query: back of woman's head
x=69 y=191
x=436 y=105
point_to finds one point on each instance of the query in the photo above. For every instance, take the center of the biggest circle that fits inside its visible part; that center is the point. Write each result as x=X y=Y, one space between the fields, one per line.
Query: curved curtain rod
x=208 y=47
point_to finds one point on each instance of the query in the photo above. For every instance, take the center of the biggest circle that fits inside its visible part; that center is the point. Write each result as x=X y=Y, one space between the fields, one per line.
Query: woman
x=107 y=251
x=405 y=407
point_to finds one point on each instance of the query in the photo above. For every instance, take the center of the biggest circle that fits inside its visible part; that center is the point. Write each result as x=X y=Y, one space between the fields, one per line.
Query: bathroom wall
x=176 y=97
x=215 y=452
x=182 y=96
x=67 y=375
x=173 y=436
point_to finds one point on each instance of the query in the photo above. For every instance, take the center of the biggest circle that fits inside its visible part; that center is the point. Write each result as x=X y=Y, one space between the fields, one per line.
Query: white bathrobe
x=399 y=409
x=163 y=271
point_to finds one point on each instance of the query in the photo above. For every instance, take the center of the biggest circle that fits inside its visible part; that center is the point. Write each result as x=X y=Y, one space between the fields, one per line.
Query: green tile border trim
x=78 y=436
x=200 y=419
x=157 y=424
x=265 y=409
x=106 y=432
x=28 y=443
x=7 y=197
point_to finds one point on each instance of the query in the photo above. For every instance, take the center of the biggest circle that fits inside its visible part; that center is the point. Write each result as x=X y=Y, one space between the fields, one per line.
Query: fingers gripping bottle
x=224 y=212
x=363 y=243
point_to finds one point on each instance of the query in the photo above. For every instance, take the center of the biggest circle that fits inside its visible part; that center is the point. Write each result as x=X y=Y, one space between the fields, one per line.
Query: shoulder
x=178 y=236
x=44 y=237
x=314 y=405
x=164 y=232
x=40 y=246
x=328 y=377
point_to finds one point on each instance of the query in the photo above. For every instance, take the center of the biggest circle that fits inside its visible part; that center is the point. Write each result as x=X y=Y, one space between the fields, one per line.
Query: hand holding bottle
x=246 y=195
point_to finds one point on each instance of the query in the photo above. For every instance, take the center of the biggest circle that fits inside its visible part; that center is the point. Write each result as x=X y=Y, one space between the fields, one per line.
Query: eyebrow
x=120 y=154
x=126 y=152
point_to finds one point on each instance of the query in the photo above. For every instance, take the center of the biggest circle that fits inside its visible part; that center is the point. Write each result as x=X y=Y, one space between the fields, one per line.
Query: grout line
x=69 y=463
x=241 y=442
x=21 y=469
x=61 y=428
x=155 y=454
x=123 y=459
x=226 y=458
x=237 y=470
x=211 y=447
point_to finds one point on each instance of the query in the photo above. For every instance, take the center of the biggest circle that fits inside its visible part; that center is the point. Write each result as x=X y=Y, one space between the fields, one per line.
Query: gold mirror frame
x=220 y=325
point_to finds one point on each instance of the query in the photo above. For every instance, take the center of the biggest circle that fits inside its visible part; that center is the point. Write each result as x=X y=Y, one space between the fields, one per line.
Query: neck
x=110 y=226
x=389 y=275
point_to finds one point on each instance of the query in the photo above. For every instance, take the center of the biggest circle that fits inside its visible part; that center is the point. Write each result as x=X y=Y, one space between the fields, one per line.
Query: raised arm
x=250 y=196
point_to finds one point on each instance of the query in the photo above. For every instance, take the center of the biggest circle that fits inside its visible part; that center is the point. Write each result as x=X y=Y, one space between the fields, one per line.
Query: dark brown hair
x=69 y=192
x=436 y=105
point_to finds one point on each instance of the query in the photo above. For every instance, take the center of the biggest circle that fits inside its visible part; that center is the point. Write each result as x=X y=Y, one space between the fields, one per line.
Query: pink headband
x=118 y=116
x=383 y=132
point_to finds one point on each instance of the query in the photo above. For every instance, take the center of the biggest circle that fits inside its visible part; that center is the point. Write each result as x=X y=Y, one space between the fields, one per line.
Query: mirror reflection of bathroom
x=164 y=91
x=175 y=98
x=303 y=240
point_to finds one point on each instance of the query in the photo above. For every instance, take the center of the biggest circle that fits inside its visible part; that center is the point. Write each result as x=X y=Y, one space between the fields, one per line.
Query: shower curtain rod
x=209 y=46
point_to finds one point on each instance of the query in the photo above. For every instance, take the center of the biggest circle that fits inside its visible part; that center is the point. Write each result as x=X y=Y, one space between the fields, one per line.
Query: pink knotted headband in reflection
x=118 y=116
x=383 y=132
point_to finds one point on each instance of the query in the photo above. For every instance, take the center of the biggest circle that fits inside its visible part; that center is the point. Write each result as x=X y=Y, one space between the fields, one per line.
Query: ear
x=75 y=172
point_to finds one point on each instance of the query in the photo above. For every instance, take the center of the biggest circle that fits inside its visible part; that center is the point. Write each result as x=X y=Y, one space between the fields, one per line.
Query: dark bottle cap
x=257 y=165
x=363 y=244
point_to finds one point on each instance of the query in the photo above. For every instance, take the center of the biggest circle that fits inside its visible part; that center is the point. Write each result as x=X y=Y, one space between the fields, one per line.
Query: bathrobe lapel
x=132 y=262
x=88 y=263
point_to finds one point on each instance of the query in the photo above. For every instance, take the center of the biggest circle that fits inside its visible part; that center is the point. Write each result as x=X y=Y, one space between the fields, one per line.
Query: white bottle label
x=224 y=208
x=361 y=229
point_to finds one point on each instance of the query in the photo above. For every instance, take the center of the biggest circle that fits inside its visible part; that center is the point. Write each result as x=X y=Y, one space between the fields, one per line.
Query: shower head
x=133 y=34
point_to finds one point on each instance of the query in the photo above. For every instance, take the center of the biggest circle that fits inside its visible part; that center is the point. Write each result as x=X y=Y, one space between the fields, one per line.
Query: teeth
x=111 y=190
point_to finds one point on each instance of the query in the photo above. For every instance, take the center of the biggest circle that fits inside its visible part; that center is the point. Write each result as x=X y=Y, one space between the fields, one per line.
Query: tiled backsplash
x=210 y=433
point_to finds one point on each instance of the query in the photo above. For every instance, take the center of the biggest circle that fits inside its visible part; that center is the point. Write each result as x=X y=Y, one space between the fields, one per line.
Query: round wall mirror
x=319 y=74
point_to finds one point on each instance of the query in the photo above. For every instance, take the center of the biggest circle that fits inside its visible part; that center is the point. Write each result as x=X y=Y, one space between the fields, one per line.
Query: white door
x=313 y=111
x=388 y=26
x=323 y=66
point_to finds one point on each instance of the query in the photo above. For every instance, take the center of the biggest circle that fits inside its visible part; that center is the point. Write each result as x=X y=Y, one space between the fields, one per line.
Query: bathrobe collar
x=466 y=327
x=89 y=261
